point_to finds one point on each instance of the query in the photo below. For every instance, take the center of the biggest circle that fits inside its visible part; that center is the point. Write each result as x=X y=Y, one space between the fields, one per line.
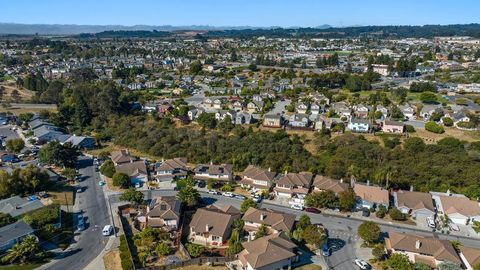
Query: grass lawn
x=62 y=195
x=112 y=260
x=309 y=267
x=21 y=267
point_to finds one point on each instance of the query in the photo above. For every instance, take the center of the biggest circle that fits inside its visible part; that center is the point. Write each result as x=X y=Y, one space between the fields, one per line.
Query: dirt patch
x=112 y=260
x=62 y=197
x=309 y=267
x=430 y=137
x=10 y=86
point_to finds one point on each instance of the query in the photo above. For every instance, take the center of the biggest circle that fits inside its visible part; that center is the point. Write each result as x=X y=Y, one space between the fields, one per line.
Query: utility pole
x=111 y=214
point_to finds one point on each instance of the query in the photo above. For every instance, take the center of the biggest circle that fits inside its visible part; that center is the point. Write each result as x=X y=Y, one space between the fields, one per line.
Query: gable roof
x=472 y=255
x=327 y=183
x=167 y=207
x=16 y=206
x=414 y=200
x=133 y=168
x=14 y=231
x=303 y=179
x=267 y=250
x=461 y=205
x=277 y=220
x=218 y=220
x=172 y=164
x=371 y=193
x=441 y=250
x=214 y=169
x=121 y=156
x=257 y=173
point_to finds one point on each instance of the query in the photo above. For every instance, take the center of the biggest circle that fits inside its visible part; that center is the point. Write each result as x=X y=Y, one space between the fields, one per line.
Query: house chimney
x=269 y=169
x=211 y=162
x=262 y=216
x=286 y=172
x=411 y=187
x=368 y=182
x=163 y=160
x=448 y=192
x=341 y=180
x=207 y=228
x=418 y=244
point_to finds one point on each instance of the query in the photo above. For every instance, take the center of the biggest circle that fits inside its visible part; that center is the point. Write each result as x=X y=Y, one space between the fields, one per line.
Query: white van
x=107 y=230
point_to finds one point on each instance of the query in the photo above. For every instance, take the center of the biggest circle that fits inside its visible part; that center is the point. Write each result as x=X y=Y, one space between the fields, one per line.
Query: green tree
x=121 y=180
x=6 y=219
x=449 y=266
x=396 y=214
x=15 y=145
x=313 y=235
x=261 y=231
x=399 y=261
x=347 y=200
x=162 y=249
x=57 y=154
x=381 y=211
x=195 y=250
x=132 y=195
x=188 y=195
x=207 y=120
x=326 y=199
x=26 y=251
x=195 y=67
x=246 y=204
x=421 y=266
x=434 y=127
x=378 y=252
x=108 y=168
x=303 y=222
x=447 y=121
x=69 y=173
x=369 y=231
x=428 y=98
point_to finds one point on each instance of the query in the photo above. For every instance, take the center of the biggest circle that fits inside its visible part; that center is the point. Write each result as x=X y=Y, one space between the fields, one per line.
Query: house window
x=215 y=238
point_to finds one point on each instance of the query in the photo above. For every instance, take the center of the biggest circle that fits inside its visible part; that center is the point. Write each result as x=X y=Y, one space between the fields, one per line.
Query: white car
x=431 y=222
x=362 y=264
x=107 y=230
x=256 y=199
x=454 y=227
x=297 y=207
x=228 y=194
x=211 y=191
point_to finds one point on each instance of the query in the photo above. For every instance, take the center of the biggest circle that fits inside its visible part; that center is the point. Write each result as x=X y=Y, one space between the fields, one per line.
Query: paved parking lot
x=8 y=133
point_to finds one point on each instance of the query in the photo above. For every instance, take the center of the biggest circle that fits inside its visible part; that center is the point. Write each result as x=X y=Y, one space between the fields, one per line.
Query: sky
x=284 y=13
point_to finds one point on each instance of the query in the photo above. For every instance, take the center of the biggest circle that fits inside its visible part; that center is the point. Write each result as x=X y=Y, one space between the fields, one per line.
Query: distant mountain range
x=74 y=29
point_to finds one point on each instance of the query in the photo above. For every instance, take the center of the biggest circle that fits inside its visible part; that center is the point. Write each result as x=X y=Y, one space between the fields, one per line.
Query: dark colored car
x=365 y=212
x=201 y=184
x=326 y=250
x=312 y=210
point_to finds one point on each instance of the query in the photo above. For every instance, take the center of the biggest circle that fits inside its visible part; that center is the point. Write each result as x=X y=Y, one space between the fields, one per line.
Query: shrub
x=434 y=127
x=108 y=168
x=125 y=256
x=121 y=180
x=447 y=121
x=195 y=250
x=396 y=214
x=409 y=128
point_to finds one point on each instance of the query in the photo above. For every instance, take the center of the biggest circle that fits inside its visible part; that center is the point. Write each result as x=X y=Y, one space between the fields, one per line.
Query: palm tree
x=23 y=251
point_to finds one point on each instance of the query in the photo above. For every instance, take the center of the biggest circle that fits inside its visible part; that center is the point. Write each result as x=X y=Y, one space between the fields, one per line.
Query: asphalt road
x=342 y=230
x=92 y=203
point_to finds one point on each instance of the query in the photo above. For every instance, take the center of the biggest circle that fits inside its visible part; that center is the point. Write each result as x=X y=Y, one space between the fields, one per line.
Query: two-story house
x=293 y=183
x=222 y=172
x=170 y=169
x=164 y=213
x=257 y=179
x=274 y=220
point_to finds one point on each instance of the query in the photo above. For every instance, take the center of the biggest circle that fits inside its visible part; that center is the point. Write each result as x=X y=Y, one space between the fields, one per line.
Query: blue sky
x=241 y=12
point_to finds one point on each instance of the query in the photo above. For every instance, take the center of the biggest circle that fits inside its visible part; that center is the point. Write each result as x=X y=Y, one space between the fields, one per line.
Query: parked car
x=297 y=207
x=453 y=227
x=256 y=199
x=312 y=210
x=365 y=212
x=107 y=230
x=81 y=224
x=228 y=194
x=79 y=189
x=362 y=264
x=213 y=192
x=431 y=222
x=326 y=250
x=240 y=197
x=201 y=184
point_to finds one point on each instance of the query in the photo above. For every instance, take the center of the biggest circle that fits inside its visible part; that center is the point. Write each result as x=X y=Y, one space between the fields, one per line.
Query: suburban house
x=222 y=172
x=428 y=250
x=211 y=226
x=418 y=204
x=393 y=127
x=136 y=170
x=164 y=213
x=16 y=206
x=255 y=105
x=459 y=208
x=14 y=233
x=273 y=251
x=371 y=196
x=408 y=111
x=382 y=110
x=243 y=118
x=361 y=111
x=341 y=109
x=275 y=221
x=273 y=120
x=359 y=125
x=323 y=183
x=170 y=169
x=121 y=156
x=293 y=183
x=82 y=142
x=315 y=108
x=470 y=257
x=301 y=108
x=257 y=178
x=297 y=120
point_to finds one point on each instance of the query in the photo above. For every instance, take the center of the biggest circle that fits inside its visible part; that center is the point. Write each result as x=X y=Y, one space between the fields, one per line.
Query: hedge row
x=125 y=256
